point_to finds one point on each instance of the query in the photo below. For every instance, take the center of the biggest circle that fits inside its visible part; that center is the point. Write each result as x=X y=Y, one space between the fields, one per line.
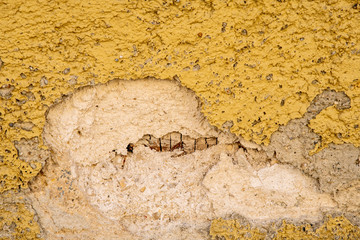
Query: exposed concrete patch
x=336 y=168
x=348 y=196
x=5 y=91
x=263 y=196
x=29 y=151
x=84 y=188
x=326 y=99
x=27 y=126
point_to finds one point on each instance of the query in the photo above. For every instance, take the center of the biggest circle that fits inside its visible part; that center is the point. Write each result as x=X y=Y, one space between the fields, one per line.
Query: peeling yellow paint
x=336 y=126
x=332 y=228
x=255 y=63
x=19 y=222
x=232 y=229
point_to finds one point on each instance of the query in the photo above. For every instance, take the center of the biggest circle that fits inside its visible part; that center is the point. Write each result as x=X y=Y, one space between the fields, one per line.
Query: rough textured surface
x=336 y=168
x=18 y=220
x=333 y=228
x=270 y=61
x=330 y=228
x=255 y=65
x=234 y=229
x=29 y=152
x=160 y=195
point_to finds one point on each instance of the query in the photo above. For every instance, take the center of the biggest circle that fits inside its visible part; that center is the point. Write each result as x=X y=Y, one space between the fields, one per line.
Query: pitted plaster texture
x=269 y=61
x=18 y=220
x=255 y=65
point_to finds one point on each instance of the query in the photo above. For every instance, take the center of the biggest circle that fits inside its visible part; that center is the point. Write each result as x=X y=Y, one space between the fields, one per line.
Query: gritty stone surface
x=163 y=195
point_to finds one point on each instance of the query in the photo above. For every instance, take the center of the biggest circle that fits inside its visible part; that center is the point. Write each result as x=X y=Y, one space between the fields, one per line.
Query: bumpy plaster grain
x=330 y=228
x=18 y=220
x=234 y=229
x=270 y=61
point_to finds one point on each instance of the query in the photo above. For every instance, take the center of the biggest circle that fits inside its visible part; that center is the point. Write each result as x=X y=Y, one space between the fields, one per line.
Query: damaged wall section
x=157 y=193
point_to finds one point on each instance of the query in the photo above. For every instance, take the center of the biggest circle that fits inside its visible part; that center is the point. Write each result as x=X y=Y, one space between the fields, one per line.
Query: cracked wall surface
x=259 y=68
x=160 y=194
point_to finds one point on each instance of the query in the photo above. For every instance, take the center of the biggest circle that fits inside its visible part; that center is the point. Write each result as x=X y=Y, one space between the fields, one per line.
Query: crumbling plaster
x=269 y=59
x=157 y=194
x=255 y=65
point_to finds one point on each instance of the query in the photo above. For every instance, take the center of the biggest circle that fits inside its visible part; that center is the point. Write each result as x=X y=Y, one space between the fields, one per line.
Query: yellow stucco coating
x=337 y=126
x=332 y=228
x=255 y=63
x=19 y=220
x=233 y=229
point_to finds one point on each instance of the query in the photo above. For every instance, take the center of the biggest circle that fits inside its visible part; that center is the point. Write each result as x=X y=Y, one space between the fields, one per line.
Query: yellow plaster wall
x=332 y=228
x=255 y=63
x=20 y=220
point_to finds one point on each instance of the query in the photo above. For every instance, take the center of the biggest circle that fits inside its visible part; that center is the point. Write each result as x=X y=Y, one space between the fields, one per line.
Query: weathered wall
x=254 y=64
x=155 y=193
